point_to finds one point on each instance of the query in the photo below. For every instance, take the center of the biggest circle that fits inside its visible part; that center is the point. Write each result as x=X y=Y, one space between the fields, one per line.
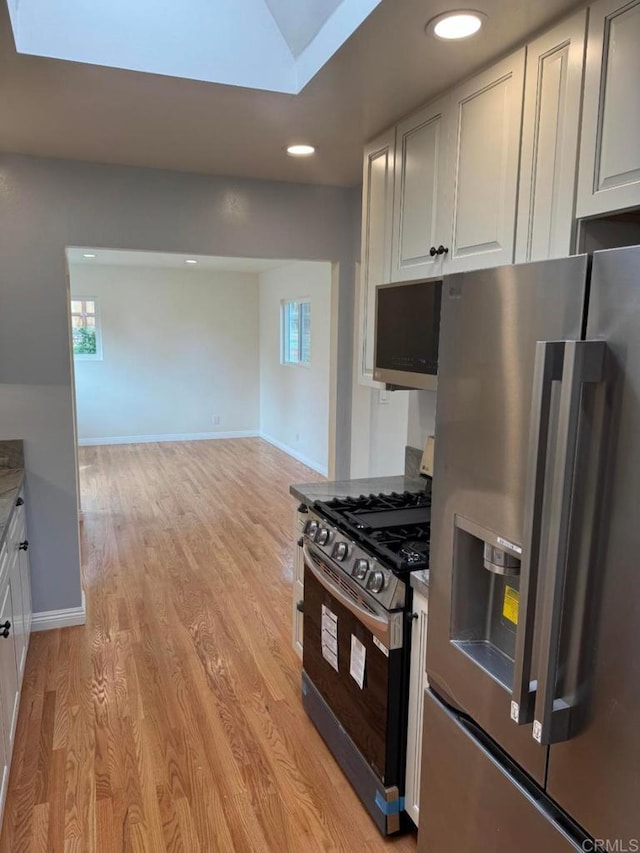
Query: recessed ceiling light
x=191 y=261
x=454 y=26
x=300 y=150
x=88 y=255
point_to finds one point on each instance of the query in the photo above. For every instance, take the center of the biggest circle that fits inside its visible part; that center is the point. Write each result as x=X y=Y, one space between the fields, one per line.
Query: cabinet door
x=4 y=765
x=548 y=174
x=610 y=154
x=5 y=690
x=485 y=126
x=377 y=223
x=298 y=617
x=25 y=574
x=16 y=617
x=8 y=671
x=417 y=685
x=418 y=193
x=297 y=592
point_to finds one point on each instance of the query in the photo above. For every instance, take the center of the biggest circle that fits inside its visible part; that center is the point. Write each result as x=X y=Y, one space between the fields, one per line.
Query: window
x=296 y=332
x=85 y=328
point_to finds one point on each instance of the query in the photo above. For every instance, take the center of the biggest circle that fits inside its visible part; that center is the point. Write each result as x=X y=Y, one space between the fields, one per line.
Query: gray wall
x=47 y=205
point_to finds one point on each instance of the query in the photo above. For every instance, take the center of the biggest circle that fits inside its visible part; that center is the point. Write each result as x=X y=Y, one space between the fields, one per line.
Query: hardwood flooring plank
x=172 y=721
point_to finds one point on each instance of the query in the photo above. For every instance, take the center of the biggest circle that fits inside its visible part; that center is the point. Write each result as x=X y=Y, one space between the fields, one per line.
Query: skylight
x=277 y=45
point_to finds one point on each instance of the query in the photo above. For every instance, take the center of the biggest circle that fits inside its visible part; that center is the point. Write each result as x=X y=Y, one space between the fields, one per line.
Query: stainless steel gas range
x=358 y=553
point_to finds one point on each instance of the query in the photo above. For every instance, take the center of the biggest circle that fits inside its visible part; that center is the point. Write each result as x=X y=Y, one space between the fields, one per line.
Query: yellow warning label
x=510 y=604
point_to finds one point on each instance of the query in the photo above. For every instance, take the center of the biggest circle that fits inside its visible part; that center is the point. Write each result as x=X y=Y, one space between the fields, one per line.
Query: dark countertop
x=325 y=491
x=11 y=480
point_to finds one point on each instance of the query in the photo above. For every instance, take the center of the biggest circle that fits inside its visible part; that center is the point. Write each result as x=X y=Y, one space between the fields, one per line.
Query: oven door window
x=363 y=712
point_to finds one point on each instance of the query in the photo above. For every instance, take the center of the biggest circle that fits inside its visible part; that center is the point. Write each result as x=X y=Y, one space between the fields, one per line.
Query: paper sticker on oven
x=329 y=621
x=330 y=642
x=330 y=657
x=358 y=659
x=329 y=637
x=381 y=646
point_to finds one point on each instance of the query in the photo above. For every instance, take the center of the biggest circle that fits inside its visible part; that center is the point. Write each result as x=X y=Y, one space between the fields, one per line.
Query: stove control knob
x=340 y=551
x=360 y=568
x=310 y=528
x=322 y=536
x=375 y=582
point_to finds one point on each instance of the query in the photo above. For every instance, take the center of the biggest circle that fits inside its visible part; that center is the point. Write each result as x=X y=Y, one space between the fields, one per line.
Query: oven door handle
x=381 y=626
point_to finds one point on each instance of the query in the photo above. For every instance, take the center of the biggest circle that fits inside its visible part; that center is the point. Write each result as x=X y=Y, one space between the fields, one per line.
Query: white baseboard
x=178 y=436
x=310 y=463
x=47 y=620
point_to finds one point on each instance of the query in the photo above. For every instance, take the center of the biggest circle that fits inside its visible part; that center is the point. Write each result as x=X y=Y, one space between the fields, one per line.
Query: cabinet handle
x=5 y=629
x=433 y=251
x=23 y=546
x=20 y=502
x=441 y=250
x=300 y=607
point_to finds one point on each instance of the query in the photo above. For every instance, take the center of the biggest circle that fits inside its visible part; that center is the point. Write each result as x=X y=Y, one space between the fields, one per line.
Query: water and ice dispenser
x=486 y=593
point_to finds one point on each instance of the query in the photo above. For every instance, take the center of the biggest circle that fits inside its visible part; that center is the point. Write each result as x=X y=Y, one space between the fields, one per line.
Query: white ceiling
x=169 y=260
x=385 y=69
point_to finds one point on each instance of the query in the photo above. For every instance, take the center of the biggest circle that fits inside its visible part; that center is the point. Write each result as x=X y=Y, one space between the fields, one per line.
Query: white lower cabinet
x=18 y=621
x=15 y=627
x=417 y=685
x=9 y=691
x=22 y=544
x=297 y=598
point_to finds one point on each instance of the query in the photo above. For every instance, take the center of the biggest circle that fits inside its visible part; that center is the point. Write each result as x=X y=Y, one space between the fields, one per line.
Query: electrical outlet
x=216 y=420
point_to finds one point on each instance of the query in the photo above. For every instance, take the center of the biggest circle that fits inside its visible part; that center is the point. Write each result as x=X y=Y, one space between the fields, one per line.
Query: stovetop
x=395 y=527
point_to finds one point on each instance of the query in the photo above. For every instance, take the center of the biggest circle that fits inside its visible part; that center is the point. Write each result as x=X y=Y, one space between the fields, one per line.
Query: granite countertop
x=420 y=581
x=11 y=480
x=325 y=491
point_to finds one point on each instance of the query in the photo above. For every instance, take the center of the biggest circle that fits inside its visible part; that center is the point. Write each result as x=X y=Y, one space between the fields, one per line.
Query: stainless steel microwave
x=407 y=333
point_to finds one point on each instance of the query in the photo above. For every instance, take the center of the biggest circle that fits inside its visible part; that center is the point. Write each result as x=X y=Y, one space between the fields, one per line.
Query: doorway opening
x=171 y=347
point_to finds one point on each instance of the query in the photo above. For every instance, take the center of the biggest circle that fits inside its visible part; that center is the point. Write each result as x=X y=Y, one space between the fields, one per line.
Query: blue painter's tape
x=394 y=807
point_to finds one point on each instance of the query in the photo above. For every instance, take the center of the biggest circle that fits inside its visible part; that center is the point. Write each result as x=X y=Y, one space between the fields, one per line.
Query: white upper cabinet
x=610 y=151
x=420 y=220
x=485 y=133
x=548 y=168
x=377 y=220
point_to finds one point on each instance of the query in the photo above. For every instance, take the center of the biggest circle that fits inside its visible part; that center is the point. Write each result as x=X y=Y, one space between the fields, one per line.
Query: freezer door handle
x=547 y=368
x=583 y=363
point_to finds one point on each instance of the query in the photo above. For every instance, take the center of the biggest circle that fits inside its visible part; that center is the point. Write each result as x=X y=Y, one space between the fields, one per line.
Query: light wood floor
x=172 y=720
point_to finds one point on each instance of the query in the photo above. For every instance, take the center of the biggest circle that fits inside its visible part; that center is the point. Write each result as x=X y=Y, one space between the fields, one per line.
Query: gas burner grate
x=395 y=527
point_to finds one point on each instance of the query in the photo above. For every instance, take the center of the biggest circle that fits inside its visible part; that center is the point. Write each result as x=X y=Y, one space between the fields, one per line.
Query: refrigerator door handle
x=583 y=362
x=547 y=368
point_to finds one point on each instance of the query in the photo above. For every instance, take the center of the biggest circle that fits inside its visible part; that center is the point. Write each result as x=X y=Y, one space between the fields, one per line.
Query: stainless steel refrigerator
x=531 y=737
